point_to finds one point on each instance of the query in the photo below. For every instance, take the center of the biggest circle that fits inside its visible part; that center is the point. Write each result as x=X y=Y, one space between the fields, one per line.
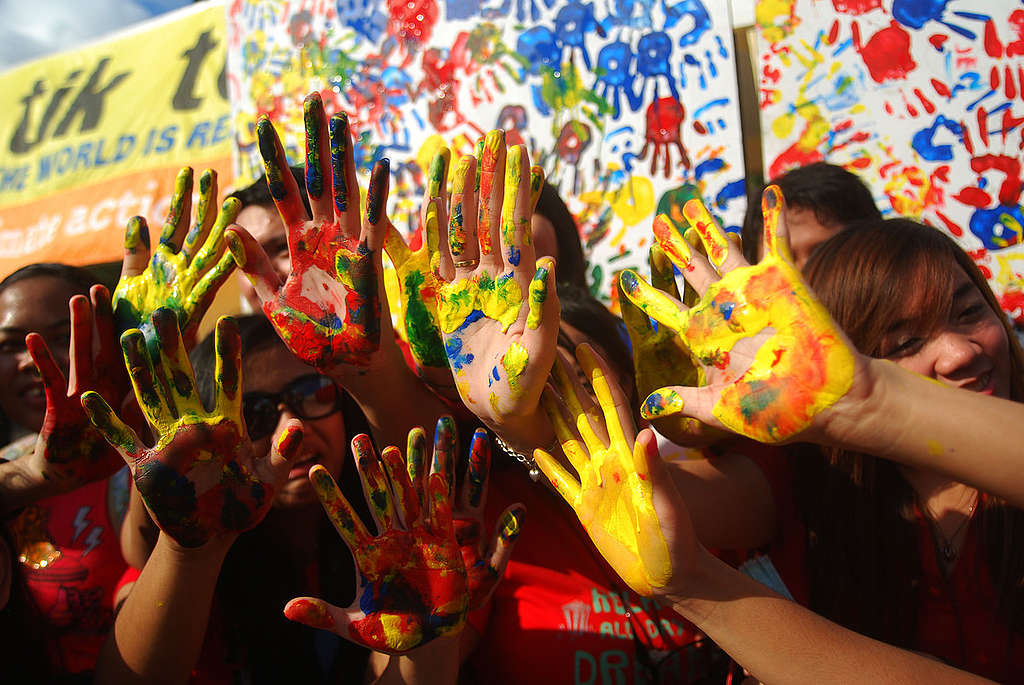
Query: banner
x=95 y=136
x=924 y=100
x=625 y=103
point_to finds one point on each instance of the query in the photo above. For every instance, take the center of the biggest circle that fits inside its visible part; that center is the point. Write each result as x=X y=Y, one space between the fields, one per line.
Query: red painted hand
x=202 y=479
x=328 y=310
x=69 y=451
x=412 y=581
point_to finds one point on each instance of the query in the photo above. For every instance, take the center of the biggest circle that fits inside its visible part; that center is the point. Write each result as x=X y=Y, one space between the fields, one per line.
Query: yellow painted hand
x=614 y=495
x=418 y=281
x=186 y=269
x=773 y=357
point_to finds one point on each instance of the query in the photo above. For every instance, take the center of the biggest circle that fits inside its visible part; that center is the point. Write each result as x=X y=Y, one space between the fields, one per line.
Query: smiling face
x=39 y=304
x=270 y=369
x=969 y=349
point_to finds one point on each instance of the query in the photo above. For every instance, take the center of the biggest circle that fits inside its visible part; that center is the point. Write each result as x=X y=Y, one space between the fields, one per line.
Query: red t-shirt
x=71 y=557
x=561 y=615
x=989 y=647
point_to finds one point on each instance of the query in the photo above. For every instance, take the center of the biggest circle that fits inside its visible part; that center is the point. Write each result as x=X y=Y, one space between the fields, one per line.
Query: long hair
x=869 y=277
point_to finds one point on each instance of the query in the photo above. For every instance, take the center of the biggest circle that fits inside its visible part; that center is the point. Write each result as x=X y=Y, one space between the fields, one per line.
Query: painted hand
x=202 y=479
x=614 y=495
x=328 y=309
x=498 y=316
x=772 y=356
x=412 y=581
x=418 y=281
x=485 y=559
x=69 y=451
x=185 y=270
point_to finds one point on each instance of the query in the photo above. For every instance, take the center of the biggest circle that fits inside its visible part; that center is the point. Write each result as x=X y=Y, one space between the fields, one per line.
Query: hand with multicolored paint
x=412 y=580
x=202 y=479
x=328 y=310
x=485 y=559
x=418 y=281
x=69 y=451
x=499 y=309
x=772 y=356
x=186 y=269
x=648 y=542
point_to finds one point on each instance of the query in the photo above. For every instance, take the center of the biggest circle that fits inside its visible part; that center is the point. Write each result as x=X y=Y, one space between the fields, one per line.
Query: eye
x=903 y=346
x=11 y=346
x=971 y=312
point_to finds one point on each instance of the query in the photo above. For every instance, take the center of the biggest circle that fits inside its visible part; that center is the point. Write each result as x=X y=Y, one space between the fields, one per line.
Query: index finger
x=340 y=512
x=281 y=183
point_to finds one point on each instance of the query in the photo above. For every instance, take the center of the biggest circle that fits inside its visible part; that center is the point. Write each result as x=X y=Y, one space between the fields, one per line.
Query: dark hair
x=572 y=265
x=79 y=279
x=837 y=197
x=258 y=192
x=272 y=648
x=869 y=277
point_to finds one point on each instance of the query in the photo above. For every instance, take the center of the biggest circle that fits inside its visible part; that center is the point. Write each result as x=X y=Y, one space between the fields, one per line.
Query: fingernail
x=663 y=402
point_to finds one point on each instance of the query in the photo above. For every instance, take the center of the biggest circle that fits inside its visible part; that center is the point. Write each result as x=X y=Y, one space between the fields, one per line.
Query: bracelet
x=525 y=460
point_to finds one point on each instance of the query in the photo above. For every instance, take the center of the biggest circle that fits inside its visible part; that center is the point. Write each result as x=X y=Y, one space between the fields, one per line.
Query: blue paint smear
x=453 y=347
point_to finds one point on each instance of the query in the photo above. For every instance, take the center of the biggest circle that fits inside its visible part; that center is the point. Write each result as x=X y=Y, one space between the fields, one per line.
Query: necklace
x=947 y=547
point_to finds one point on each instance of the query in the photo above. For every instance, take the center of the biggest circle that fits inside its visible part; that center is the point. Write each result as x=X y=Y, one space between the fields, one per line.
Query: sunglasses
x=308 y=397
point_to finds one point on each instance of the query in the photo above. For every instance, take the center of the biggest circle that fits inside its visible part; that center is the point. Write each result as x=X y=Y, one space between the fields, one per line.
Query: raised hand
x=202 y=479
x=69 y=451
x=499 y=311
x=772 y=356
x=612 y=492
x=412 y=580
x=186 y=269
x=328 y=309
x=485 y=559
x=418 y=281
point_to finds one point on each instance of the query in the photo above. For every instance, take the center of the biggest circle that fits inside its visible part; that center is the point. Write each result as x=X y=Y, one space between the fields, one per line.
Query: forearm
x=138 y=532
x=160 y=629
x=918 y=422
x=780 y=641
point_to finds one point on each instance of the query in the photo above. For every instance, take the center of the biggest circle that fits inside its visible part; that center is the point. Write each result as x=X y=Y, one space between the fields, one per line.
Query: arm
x=659 y=555
x=328 y=311
x=202 y=483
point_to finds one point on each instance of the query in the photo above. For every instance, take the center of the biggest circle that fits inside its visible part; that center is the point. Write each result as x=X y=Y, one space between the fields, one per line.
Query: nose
x=955 y=354
x=25 y=363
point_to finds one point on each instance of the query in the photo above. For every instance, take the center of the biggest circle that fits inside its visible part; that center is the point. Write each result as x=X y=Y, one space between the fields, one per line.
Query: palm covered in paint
x=328 y=309
x=69 y=450
x=418 y=282
x=772 y=356
x=612 y=493
x=498 y=316
x=412 y=579
x=186 y=269
x=202 y=479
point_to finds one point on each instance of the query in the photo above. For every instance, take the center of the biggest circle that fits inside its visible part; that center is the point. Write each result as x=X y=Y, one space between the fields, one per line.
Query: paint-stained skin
x=201 y=478
x=328 y=309
x=491 y=152
x=613 y=497
x=412 y=579
x=69 y=449
x=184 y=278
x=792 y=377
x=538 y=293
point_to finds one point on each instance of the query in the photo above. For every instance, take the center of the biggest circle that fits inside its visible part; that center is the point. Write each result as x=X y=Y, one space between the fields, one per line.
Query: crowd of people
x=795 y=458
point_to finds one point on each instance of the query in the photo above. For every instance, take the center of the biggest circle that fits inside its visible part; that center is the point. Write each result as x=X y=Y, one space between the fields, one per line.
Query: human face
x=270 y=370
x=37 y=304
x=265 y=225
x=969 y=351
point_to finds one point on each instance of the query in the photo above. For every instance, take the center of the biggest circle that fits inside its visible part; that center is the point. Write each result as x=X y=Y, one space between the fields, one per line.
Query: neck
x=940 y=497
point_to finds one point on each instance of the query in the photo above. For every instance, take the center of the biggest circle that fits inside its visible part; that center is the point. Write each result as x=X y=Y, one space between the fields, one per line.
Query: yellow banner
x=93 y=137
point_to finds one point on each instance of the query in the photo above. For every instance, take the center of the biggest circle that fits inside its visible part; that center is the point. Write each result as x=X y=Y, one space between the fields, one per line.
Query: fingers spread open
x=492 y=184
x=254 y=263
x=663 y=276
x=439 y=520
x=228 y=369
x=776 y=235
x=437 y=181
x=506 y=532
x=516 y=241
x=148 y=391
x=462 y=221
x=199 y=300
x=80 y=350
x=343 y=174
x=54 y=383
x=176 y=223
x=638 y=324
x=563 y=482
x=351 y=529
x=174 y=359
x=416 y=463
x=206 y=213
x=108 y=357
x=407 y=501
x=723 y=254
x=376 y=488
x=214 y=245
x=317 y=153
x=316 y=613
x=474 y=492
x=617 y=414
x=376 y=199
x=445 y=450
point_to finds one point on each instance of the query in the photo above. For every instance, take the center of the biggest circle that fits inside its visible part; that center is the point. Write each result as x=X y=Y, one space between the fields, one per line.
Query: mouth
x=300 y=469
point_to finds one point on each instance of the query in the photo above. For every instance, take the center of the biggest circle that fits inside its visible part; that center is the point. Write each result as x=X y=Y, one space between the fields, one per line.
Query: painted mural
x=626 y=103
x=923 y=98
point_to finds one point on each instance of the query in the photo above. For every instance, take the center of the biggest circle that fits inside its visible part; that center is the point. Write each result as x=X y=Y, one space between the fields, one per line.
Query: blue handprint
x=364 y=17
x=572 y=24
x=614 y=74
x=688 y=8
x=652 y=60
x=634 y=14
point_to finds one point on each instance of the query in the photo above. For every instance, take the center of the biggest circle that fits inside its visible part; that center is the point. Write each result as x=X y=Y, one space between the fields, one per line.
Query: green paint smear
x=537 y=295
x=423 y=332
